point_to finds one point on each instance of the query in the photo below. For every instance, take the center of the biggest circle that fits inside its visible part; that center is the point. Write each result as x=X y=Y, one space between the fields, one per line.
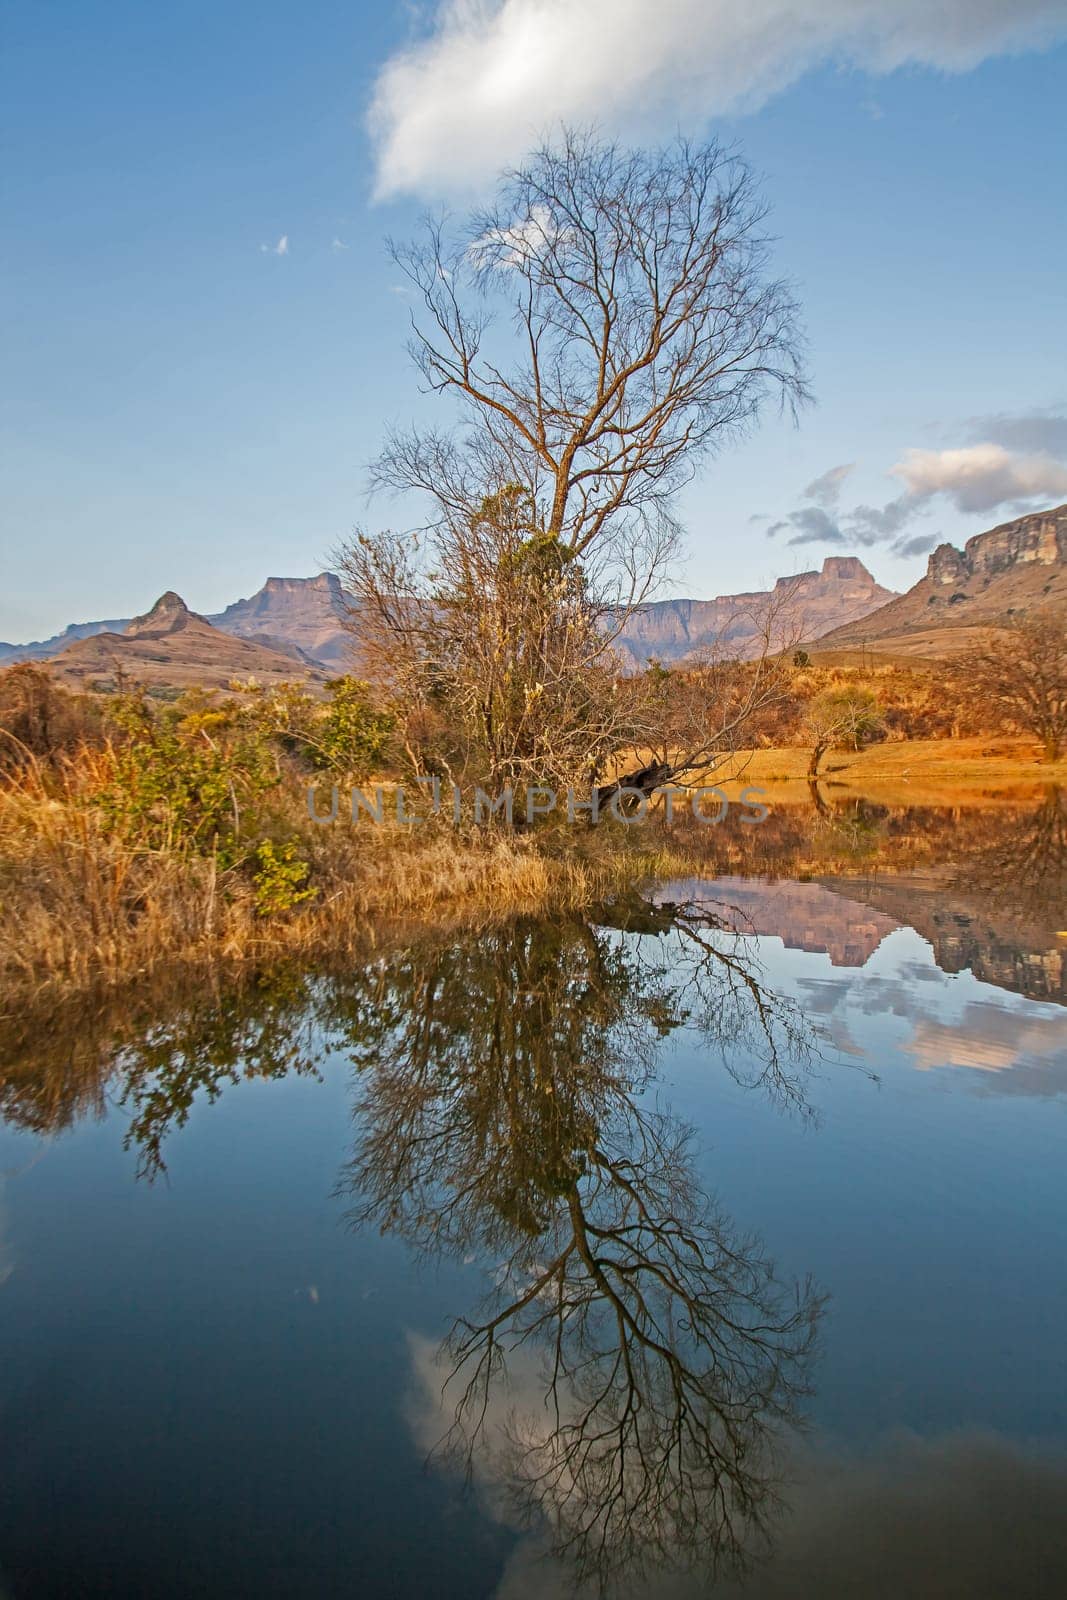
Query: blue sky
x=183 y=408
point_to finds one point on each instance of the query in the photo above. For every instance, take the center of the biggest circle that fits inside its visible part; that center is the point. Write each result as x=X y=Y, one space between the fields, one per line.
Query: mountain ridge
x=305 y=618
x=1013 y=569
x=170 y=646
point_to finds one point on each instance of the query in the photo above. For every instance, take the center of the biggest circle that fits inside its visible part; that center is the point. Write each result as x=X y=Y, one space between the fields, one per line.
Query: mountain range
x=295 y=627
x=304 y=619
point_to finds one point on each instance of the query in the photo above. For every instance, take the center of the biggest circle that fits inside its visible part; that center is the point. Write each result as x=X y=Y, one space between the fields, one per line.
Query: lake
x=712 y=1241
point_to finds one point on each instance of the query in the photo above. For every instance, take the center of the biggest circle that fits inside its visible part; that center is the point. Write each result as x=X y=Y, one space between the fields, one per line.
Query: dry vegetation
x=124 y=850
x=137 y=837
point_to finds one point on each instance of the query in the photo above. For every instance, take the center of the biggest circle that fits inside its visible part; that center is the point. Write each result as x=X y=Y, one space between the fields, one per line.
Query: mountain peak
x=846 y=569
x=1013 y=570
x=169 y=613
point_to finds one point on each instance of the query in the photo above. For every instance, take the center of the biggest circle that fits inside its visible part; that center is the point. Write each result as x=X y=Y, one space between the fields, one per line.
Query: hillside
x=43 y=649
x=173 y=647
x=807 y=605
x=1016 y=568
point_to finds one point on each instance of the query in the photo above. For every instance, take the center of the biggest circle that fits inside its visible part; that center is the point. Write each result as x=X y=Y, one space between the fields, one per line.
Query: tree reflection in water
x=506 y=1113
x=502 y=1114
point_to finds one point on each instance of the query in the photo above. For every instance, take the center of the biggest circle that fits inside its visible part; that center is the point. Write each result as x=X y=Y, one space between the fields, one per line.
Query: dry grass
x=909 y=771
x=82 y=906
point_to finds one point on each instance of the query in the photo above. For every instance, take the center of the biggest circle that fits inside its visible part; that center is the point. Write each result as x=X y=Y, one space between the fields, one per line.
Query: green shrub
x=187 y=780
x=281 y=879
x=353 y=737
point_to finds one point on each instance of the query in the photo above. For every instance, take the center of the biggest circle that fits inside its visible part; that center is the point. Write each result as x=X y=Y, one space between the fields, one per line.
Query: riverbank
x=905 y=772
x=81 y=908
x=84 y=906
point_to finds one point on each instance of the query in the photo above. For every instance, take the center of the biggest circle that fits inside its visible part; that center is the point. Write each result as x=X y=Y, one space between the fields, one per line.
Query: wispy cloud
x=976 y=478
x=826 y=489
x=1040 y=432
x=338 y=244
x=918 y=544
x=279 y=249
x=809 y=525
x=489 y=76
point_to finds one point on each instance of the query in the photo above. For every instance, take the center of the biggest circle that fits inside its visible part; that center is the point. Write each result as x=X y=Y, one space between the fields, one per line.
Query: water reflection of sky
x=212 y=1385
x=903 y=1007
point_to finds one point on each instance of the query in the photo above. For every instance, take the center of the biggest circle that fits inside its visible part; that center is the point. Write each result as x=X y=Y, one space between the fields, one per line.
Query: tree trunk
x=645 y=779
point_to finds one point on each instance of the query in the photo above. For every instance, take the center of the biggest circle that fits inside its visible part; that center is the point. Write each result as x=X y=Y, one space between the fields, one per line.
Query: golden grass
x=81 y=906
x=907 y=771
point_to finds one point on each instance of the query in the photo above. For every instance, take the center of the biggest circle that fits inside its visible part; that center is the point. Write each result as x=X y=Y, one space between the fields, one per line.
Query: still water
x=709 y=1242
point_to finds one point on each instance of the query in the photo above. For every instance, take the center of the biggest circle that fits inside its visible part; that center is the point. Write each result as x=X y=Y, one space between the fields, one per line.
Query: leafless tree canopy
x=605 y=325
x=645 y=331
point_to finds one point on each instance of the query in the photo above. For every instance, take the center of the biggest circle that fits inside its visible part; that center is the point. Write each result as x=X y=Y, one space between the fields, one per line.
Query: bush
x=184 y=778
x=280 y=881
x=354 y=737
x=40 y=721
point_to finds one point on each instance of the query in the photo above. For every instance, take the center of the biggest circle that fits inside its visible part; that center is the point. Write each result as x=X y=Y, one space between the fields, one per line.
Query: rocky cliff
x=808 y=604
x=1012 y=570
x=308 y=613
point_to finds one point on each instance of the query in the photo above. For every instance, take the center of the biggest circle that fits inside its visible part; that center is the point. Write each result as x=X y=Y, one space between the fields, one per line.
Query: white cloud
x=522 y=242
x=338 y=244
x=279 y=249
x=491 y=76
x=980 y=477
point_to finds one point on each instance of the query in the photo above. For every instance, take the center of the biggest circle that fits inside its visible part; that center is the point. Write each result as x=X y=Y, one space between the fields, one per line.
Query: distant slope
x=41 y=649
x=1014 y=569
x=808 y=605
x=170 y=646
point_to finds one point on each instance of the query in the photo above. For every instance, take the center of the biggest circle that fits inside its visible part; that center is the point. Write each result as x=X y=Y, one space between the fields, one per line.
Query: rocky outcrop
x=1013 y=570
x=1040 y=538
x=169 y=615
x=307 y=614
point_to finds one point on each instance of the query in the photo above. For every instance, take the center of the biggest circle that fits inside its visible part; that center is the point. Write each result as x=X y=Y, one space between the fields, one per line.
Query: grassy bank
x=185 y=845
x=906 y=771
x=84 y=904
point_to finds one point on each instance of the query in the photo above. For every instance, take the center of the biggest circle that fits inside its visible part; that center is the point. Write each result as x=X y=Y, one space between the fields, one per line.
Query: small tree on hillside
x=849 y=717
x=1022 y=675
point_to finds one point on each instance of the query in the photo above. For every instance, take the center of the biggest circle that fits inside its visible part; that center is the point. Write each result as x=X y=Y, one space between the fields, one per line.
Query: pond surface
x=710 y=1242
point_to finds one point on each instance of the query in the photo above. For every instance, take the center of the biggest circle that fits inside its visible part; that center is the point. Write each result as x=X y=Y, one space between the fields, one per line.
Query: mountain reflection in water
x=630 y=1384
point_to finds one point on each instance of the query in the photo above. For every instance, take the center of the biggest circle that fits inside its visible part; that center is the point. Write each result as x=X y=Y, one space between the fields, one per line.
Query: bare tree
x=644 y=333
x=848 y=716
x=1022 y=674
